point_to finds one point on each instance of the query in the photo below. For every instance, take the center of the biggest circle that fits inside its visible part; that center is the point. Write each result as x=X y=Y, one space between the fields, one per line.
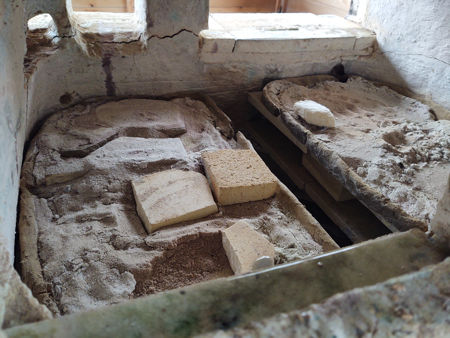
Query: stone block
x=246 y=249
x=238 y=176
x=172 y=196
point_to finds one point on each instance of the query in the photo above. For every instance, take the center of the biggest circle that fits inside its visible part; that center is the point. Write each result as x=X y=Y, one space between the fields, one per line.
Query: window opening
x=336 y=7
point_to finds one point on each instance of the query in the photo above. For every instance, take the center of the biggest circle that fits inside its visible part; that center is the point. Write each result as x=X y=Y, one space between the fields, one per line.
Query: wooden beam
x=336 y=7
x=353 y=218
x=245 y=6
x=100 y=5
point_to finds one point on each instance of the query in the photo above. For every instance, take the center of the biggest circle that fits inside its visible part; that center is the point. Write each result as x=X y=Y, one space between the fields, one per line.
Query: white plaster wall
x=414 y=46
x=12 y=114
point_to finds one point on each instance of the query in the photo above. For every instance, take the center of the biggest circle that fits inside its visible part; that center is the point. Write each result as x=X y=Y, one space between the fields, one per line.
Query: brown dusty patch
x=199 y=259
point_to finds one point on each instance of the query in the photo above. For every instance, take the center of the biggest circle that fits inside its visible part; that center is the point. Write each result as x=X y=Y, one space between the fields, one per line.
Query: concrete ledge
x=237 y=35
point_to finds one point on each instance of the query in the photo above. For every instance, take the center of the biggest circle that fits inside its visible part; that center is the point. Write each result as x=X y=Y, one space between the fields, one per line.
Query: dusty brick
x=238 y=176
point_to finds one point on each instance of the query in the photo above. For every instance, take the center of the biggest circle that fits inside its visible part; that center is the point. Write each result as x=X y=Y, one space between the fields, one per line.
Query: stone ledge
x=302 y=34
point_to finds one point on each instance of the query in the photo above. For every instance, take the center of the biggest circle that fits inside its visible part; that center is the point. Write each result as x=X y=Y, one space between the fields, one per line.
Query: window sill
x=93 y=29
x=235 y=36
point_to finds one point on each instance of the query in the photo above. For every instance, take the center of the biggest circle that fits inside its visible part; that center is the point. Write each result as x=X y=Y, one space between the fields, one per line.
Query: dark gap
x=332 y=229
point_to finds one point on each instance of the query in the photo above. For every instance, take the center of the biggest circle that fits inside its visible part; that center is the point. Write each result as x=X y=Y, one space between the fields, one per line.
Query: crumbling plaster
x=413 y=52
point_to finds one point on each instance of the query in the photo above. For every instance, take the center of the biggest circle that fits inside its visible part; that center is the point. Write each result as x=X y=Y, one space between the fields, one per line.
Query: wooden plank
x=246 y=6
x=280 y=149
x=336 y=7
x=353 y=218
x=255 y=99
x=130 y=6
x=331 y=184
x=100 y=5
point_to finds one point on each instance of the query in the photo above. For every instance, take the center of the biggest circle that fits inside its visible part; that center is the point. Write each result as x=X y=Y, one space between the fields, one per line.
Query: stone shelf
x=301 y=34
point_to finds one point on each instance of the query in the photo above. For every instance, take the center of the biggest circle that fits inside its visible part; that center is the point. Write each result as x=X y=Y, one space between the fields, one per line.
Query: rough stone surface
x=236 y=301
x=440 y=225
x=246 y=249
x=383 y=144
x=83 y=244
x=17 y=304
x=412 y=305
x=171 y=197
x=238 y=176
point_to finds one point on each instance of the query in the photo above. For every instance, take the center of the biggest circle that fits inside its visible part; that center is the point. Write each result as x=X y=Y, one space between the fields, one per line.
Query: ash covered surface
x=83 y=244
x=389 y=140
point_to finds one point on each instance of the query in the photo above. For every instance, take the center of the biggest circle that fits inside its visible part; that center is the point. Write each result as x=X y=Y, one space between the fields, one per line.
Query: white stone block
x=172 y=196
x=315 y=113
x=246 y=249
x=238 y=176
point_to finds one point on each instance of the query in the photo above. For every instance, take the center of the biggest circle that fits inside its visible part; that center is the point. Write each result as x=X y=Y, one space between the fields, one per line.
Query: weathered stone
x=412 y=305
x=159 y=115
x=361 y=151
x=76 y=225
x=238 y=176
x=17 y=304
x=247 y=250
x=230 y=302
x=440 y=225
x=171 y=197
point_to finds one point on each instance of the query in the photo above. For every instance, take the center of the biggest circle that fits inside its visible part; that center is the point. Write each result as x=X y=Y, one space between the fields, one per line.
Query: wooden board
x=118 y=6
x=246 y=6
x=330 y=184
x=255 y=99
x=336 y=7
x=353 y=218
x=280 y=149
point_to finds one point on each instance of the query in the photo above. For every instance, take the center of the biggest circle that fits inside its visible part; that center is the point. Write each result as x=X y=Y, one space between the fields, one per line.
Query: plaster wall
x=413 y=46
x=12 y=114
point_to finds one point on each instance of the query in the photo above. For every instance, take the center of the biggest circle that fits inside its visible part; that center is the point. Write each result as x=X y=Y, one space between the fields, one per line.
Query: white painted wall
x=414 y=46
x=12 y=114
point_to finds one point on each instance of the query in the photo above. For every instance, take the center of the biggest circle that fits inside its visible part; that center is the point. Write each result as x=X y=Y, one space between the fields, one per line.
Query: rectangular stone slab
x=238 y=176
x=172 y=196
x=246 y=249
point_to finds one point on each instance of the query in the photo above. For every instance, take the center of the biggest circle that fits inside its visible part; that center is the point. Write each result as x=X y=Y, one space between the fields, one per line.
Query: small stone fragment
x=238 y=176
x=172 y=196
x=315 y=113
x=246 y=249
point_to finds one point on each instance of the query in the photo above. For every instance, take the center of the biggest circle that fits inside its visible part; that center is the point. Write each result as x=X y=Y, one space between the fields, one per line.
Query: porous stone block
x=246 y=249
x=238 y=176
x=172 y=196
x=315 y=113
